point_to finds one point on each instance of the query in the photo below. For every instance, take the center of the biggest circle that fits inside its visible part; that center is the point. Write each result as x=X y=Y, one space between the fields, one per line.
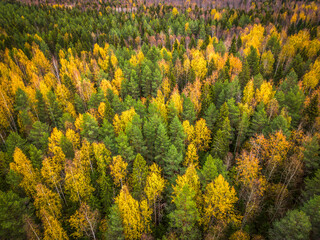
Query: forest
x=159 y=120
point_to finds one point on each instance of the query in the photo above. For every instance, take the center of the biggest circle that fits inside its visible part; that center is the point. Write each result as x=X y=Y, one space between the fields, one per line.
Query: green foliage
x=312 y=185
x=312 y=209
x=189 y=112
x=139 y=175
x=39 y=135
x=294 y=226
x=12 y=210
x=90 y=128
x=253 y=61
x=183 y=220
x=114 y=228
x=177 y=135
x=211 y=170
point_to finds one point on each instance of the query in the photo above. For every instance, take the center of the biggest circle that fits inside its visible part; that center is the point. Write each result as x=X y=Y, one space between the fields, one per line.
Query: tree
x=252 y=183
x=84 y=221
x=312 y=185
x=23 y=166
x=212 y=168
x=55 y=112
x=107 y=131
x=118 y=170
x=77 y=179
x=219 y=201
x=202 y=135
x=211 y=115
x=150 y=129
x=134 y=133
x=52 y=168
x=139 y=175
x=172 y=162
x=311 y=154
x=188 y=112
x=12 y=209
x=130 y=214
x=259 y=121
x=67 y=147
x=312 y=209
x=233 y=47
x=132 y=85
x=183 y=220
x=161 y=144
x=253 y=61
x=35 y=157
x=103 y=160
x=14 y=140
x=267 y=61
x=311 y=111
x=52 y=227
x=114 y=227
x=221 y=140
x=39 y=135
x=191 y=156
x=155 y=185
x=244 y=75
x=41 y=107
x=294 y=226
x=240 y=235
x=177 y=135
x=90 y=128
x=47 y=200
x=124 y=148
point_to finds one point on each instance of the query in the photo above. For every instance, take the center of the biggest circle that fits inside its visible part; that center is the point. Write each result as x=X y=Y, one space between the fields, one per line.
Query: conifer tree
x=139 y=175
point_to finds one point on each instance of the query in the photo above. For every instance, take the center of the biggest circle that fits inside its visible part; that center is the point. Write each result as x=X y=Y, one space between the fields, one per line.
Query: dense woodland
x=128 y=120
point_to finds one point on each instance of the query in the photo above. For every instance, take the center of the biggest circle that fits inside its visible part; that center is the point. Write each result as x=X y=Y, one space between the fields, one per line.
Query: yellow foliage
x=121 y=122
x=52 y=167
x=118 y=78
x=23 y=166
x=248 y=93
x=188 y=130
x=311 y=78
x=219 y=201
x=191 y=156
x=77 y=180
x=235 y=65
x=159 y=102
x=79 y=123
x=118 y=170
x=240 y=235
x=48 y=200
x=130 y=214
x=294 y=18
x=199 y=64
x=265 y=93
x=52 y=227
x=54 y=139
x=267 y=61
x=101 y=110
x=175 y=11
x=105 y=85
x=154 y=184
x=202 y=135
x=192 y=179
x=176 y=99
x=146 y=213
x=253 y=38
x=217 y=16
x=165 y=86
x=74 y=138
x=84 y=221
